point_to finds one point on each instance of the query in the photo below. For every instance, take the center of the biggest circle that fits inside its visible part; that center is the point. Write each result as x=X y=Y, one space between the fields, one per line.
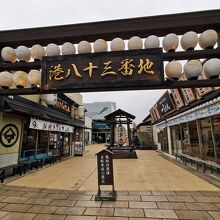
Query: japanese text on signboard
x=82 y=71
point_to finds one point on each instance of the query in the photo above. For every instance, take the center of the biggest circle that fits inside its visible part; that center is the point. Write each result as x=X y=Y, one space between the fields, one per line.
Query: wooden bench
x=199 y=162
x=13 y=167
x=28 y=164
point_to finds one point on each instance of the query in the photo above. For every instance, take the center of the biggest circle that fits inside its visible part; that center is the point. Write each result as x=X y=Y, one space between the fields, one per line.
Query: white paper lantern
x=8 y=54
x=192 y=69
x=152 y=42
x=212 y=68
x=84 y=47
x=34 y=77
x=37 y=52
x=6 y=79
x=173 y=70
x=135 y=43
x=52 y=50
x=170 y=42
x=81 y=112
x=189 y=40
x=20 y=79
x=51 y=99
x=68 y=48
x=100 y=45
x=208 y=39
x=23 y=53
x=117 y=44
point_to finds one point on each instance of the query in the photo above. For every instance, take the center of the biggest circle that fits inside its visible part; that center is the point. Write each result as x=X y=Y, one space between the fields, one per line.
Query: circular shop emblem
x=9 y=135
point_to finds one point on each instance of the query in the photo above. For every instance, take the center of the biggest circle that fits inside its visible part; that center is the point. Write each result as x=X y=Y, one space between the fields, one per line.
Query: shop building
x=187 y=121
x=29 y=128
x=143 y=134
x=97 y=111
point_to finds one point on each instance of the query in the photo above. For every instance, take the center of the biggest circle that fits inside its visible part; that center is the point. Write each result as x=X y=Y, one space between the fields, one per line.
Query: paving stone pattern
x=24 y=203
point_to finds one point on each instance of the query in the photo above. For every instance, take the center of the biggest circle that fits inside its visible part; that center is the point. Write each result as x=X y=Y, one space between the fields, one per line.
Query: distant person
x=99 y=139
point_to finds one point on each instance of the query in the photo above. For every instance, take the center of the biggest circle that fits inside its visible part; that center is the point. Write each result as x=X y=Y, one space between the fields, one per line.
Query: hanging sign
x=119 y=70
x=187 y=93
x=177 y=98
x=165 y=104
x=49 y=126
x=203 y=90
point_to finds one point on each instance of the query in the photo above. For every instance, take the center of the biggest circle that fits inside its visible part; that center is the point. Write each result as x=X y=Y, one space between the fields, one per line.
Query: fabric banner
x=49 y=126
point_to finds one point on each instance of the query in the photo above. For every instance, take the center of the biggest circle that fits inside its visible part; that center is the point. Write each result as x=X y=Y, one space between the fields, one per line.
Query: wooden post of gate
x=105 y=176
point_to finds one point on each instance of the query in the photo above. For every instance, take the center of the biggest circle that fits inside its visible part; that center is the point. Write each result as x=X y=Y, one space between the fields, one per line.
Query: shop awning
x=22 y=106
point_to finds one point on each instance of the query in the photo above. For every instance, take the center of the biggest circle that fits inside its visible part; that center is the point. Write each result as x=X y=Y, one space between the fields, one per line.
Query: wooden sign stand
x=105 y=176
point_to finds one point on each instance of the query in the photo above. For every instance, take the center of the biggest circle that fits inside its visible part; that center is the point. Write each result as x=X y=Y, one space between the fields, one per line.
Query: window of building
x=207 y=142
x=216 y=131
x=164 y=141
x=176 y=145
x=194 y=139
x=186 y=147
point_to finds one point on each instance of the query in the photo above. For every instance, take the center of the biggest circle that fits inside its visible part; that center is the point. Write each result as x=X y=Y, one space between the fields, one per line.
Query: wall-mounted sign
x=119 y=70
x=177 y=98
x=165 y=104
x=187 y=93
x=203 y=90
x=49 y=126
x=9 y=135
x=120 y=135
x=62 y=105
x=152 y=115
x=155 y=116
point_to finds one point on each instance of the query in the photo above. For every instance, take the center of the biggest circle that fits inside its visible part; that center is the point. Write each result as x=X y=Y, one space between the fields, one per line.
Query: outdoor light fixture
x=34 y=77
x=189 y=40
x=68 y=48
x=100 y=45
x=212 y=68
x=173 y=70
x=84 y=47
x=170 y=42
x=37 y=52
x=23 y=53
x=6 y=79
x=80 y=111
x=117 y=44
x=152 y=42
x=9 y=55
x=208 y=39
x=135 y=43
x=52 y=50
x=20 y=79
x=192 y=69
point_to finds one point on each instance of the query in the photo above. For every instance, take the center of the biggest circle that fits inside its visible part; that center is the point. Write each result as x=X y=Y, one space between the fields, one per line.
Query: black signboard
x=105 y=167
x=119 y=70
x=78 y=149
x=165 y=104
x=105 y=176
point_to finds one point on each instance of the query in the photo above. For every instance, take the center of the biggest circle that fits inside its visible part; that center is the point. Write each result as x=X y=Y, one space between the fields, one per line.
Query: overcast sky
x=16 y=14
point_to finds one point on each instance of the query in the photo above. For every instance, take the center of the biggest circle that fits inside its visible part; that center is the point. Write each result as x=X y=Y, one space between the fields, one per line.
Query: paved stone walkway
x=150 y=187
x=25 y=203
x=149 y=172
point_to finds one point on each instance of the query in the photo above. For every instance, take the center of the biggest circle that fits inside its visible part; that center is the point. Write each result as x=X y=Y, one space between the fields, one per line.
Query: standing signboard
x=78 y=148
x=105 y=175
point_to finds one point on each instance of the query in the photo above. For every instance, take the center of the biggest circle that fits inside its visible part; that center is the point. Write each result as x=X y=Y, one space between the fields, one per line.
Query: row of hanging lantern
x=173 y=69
x=193 y=68
x=20 y=79
x=170 y=43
